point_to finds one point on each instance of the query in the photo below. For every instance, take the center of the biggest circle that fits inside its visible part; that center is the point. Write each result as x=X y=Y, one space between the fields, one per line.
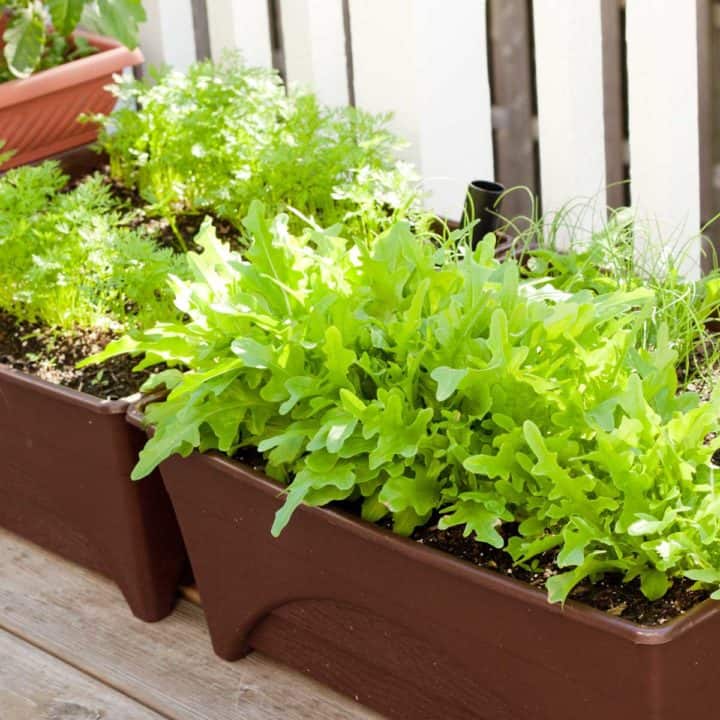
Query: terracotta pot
x=38 y=115
x=65 y=484
x=415 y=633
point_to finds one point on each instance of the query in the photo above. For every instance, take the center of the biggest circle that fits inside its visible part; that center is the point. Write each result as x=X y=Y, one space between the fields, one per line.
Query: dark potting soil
x=610 y=594
x=186 y=224
x=141 y=216
x=34 y=349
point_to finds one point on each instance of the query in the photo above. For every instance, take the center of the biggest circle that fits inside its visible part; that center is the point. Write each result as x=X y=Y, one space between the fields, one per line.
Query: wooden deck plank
x=37 y=686
x=168 y=666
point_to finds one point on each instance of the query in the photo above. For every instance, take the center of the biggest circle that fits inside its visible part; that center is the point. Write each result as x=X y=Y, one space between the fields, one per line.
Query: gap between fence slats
x=512 y=87
x=613 y=102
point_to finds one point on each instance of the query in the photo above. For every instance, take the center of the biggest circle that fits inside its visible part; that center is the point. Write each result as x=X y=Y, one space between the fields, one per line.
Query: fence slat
x=569 y=76
x=662 y=57
x=430 y=67
x=202 y=33
x=513 y=101
x=168 y=36
x=706 y=75
x=384 y=63
x=241 y=25
x=314 y=45
x=612 y=44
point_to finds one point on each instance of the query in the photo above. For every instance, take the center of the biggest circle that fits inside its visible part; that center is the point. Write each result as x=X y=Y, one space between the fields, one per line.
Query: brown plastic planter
x=38 y=115
x=415 y=633
x=65 y=462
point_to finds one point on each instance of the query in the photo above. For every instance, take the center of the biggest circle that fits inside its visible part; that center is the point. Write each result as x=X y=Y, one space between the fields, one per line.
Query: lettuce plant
x=420 y=380
x=223 y=134
x=68 y=257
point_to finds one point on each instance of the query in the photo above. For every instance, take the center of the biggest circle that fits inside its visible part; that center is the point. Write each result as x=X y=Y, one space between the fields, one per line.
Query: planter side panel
x=65 y=484
x=48 y=124
x=402 y=628
x=39 y=114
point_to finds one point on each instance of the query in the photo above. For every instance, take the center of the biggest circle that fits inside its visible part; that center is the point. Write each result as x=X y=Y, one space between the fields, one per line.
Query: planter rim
x=573 y=610
x=112 y=56
x=74 y=397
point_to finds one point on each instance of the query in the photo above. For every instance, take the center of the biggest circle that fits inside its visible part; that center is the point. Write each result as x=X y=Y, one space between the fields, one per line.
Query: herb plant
x=608 y=260
x=38 y=34
x=420 y=380
x=68 y=257
x=223 y=134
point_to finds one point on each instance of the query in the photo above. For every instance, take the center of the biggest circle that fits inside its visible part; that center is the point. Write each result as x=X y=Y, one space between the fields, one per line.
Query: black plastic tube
x=482 y=204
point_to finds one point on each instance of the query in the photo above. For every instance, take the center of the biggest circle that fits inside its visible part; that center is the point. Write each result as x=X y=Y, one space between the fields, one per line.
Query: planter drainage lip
x=75 y=397
x=112 y=56
x=510 y=587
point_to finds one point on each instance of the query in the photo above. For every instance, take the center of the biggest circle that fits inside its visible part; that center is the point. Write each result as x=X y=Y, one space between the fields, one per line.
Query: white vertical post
x=240 y=25
x=571 y=123
x=168 y=35
x=314 y=45
x=453 y=99
x=384 y=64
x=427 y=63
x=662 y=58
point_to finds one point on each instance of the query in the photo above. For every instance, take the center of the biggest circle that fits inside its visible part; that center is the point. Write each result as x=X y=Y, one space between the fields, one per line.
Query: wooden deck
x=70 y=650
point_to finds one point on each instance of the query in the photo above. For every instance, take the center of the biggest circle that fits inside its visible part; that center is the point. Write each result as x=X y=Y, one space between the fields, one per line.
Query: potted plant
x=433 y=390
x=211 y=140
x=52 y=73
x=57 y=279
x=73 y=274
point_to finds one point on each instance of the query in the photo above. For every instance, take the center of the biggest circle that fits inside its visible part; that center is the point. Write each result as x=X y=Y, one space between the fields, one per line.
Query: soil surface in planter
x=186 y=224
x=610 y=594
x=36 y=350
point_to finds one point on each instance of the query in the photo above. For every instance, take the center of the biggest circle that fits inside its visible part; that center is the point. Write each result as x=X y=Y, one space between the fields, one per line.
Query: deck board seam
x=85 y=672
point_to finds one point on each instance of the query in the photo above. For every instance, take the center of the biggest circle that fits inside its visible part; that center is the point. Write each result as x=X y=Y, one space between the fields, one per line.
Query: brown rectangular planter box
x=415 y=633
x=38 y=115
x=65 y=462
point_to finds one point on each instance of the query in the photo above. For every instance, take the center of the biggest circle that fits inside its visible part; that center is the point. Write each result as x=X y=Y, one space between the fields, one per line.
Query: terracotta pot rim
x=113 y=56
x=74 y=397
x=511 y=587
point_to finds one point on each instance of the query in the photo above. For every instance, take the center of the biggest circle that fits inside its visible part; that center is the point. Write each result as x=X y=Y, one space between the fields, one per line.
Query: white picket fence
x=426 y=61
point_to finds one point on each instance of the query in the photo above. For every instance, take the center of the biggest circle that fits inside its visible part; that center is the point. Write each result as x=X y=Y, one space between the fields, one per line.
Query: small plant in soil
x=39 y=35
x=607 y=259
x=435 y=384
x=213 y=139
x=72 y=271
